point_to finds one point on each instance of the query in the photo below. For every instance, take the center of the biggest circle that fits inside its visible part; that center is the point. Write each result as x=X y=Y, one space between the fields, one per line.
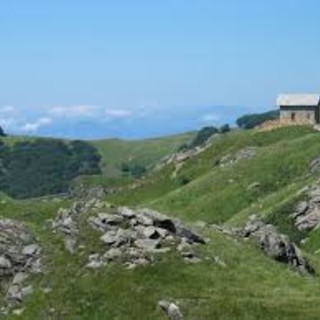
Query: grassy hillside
x=145 y=152
x=249 y=286
x=216 y=193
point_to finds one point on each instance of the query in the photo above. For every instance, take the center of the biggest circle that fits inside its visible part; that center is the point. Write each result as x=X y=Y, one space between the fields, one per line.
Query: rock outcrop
x=131 y=237
x=276 y=245
x=171 y=309
x=243 y=154
x=307 y=212
x=20 y=256
x=134 y=237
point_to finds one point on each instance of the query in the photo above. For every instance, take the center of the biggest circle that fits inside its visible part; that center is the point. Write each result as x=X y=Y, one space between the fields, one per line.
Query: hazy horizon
x=141 y=69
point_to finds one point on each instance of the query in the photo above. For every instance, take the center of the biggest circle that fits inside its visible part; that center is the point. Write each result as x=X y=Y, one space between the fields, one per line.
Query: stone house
x=302 y=108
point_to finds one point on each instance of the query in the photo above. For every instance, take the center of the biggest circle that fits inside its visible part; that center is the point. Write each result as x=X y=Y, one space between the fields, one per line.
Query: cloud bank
x=94 y=121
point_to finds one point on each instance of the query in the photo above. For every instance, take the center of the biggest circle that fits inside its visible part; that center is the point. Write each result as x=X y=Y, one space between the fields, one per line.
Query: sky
x=143 y=68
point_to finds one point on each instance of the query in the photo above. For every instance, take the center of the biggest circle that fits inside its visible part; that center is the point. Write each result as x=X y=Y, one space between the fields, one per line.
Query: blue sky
x=105 y=68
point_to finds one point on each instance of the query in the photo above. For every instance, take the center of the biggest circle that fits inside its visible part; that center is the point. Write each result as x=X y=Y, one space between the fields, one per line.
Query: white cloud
x=78 y=111
x=34 y=126
x=210 y=117
x=7 y=109
x=118 y=113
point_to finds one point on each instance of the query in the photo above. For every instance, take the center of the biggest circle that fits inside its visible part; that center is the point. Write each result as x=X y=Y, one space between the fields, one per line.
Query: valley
x=88 y=270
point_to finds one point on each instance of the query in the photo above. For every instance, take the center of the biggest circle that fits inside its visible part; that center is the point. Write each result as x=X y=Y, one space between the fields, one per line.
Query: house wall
x=299 y=114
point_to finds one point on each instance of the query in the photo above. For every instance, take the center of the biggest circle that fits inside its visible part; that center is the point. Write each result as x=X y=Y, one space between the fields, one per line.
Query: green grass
x=250 y=287
x=145 y=152
x=216 y=194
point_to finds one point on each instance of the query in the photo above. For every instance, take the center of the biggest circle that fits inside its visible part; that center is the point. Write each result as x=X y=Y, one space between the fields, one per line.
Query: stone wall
x=299 y=114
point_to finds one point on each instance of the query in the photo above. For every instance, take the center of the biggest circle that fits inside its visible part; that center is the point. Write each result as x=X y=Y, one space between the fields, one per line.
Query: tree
x=225 y=128
x=203 y=135
x=250 y=121
x=2 y=133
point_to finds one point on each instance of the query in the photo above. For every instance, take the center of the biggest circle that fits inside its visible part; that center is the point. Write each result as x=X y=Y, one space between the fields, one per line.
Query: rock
x=70 y=244
x=150 y=232
x=254 y=186
x=27 y=291
x=14 y=294
x=184 y=246
x=307 y=212
x=308 y=221
x=95 y=261
x=19 y=278
x=314 y=165
x=189 y=235
x=138 y=235
x=276 y=245
x=243 y=154
x=110 y=219
x=143 y=220
x=218 y=261
x=171 y=309
x=147 y=244
x=301 y=209
x=5 y=263
x=190 y=257
x=126 y=212
x=18 y=312
x=30 y=250
x=162 y=232
x=113 y=253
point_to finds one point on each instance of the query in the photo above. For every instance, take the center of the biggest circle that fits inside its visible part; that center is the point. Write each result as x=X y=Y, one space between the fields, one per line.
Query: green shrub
x=30 y=169
x=250 y=121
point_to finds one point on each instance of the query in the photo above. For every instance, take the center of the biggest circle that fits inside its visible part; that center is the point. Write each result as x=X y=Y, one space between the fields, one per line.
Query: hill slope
x=240 y=174
x=145 y=152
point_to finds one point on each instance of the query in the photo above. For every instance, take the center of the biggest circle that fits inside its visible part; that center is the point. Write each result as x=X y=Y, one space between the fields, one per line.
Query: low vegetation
x=250 y=121
x=242 y=173
x=44 y=166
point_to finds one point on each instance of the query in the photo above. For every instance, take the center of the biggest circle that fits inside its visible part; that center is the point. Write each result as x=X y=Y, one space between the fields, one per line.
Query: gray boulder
x=171 y=309
x=276 y=245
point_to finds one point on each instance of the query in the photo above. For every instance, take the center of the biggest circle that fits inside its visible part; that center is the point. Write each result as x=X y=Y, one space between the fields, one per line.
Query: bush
x=203 y=135
x=250 y=121
x=2 y=133
x=225 y=128
x=135 y=170
x=30 y=169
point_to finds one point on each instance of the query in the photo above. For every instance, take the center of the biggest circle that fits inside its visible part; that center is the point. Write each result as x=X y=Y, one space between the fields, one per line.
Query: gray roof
x=298 y=100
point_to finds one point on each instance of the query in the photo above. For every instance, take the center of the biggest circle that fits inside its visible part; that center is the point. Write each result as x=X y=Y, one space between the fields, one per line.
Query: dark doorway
x=293 y=116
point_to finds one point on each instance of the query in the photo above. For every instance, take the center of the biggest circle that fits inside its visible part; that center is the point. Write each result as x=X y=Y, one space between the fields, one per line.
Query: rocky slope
x=20 y=257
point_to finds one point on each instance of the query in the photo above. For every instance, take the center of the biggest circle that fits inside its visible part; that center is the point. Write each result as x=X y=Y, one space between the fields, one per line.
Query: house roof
x=298 y=100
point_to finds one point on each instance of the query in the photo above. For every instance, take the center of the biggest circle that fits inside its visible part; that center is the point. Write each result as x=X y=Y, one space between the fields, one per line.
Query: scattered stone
x=189 y=235
x=19 y=257
x=126 y=212
x=18 y=312
x=70 y=244
x=150 y=232
x=171 y=309
x=314 y=165
x=113 y=253
x=220 y=262
x=30 y=249
x=243 y=154
x=147 y=244
x=254 y=186
x=307 y=212
x=131 y=236
x=95 y=262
